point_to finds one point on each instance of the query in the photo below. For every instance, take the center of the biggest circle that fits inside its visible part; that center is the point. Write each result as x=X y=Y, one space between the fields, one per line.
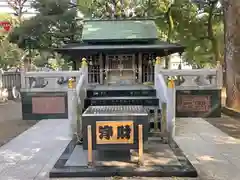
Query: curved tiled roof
x=119 y=30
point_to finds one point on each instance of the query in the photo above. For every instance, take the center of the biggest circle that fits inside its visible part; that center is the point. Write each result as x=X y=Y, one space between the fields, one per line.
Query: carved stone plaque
x=198 y=103
x=194 y=103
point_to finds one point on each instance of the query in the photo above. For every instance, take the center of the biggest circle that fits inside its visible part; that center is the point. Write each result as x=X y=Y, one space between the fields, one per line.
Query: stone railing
x=74 y=88
x=166 y=95
x=49 y=80
x=194 y=79
x=162 y=91
x=78 y=102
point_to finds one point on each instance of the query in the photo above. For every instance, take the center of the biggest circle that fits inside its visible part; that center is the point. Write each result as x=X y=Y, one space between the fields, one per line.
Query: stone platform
x=120 y=87
x=160 y=160
x=32 y=155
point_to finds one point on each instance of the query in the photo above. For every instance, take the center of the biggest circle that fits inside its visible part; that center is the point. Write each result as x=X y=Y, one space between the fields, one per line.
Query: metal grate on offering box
x=115 y=111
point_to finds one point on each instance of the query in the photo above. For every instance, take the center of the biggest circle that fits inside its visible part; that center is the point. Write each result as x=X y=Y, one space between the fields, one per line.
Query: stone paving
x=213 y=153
x=11 y=123
x=31 y=155
x=28 y=155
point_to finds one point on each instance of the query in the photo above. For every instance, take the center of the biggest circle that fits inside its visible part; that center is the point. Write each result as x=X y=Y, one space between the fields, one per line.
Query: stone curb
x=230 y=112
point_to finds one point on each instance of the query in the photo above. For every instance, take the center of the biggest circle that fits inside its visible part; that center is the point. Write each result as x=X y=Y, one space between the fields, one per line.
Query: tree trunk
x=170 y=32
x=232 y=50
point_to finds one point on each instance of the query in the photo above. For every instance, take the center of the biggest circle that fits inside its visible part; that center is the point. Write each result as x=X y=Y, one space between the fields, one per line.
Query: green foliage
x=10 y=54
x=54 y=25
x=55 y=60
x=84 y=6
x=196 y=27
x=8 y=18
x=108 y=9
x=196 y=24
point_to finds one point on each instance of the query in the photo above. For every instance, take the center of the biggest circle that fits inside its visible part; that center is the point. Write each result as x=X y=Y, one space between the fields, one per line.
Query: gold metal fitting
x=158 y=60
x=70 y=83
x=171 y=83
x=84 y=62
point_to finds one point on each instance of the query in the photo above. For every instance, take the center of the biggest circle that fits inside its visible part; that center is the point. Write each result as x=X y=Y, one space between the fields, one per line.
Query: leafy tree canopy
x=54 y=24
x=9 y=53
x=5 y=17
x=105 y=9
x=197 y=24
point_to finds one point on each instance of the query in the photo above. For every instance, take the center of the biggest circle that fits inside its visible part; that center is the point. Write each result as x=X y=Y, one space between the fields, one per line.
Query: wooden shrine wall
x=144 y=64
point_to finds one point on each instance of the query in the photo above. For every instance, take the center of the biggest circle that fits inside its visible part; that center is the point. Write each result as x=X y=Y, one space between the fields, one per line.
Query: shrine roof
x=160 y=47
x=119 y=30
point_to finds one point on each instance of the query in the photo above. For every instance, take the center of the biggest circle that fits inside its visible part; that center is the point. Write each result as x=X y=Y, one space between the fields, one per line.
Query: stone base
x=160 y=160
x=56 y=100
x=230 y=112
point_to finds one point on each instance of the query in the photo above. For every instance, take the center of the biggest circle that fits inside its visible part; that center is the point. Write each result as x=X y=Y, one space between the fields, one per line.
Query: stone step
x=130 y=100
x=120 y=93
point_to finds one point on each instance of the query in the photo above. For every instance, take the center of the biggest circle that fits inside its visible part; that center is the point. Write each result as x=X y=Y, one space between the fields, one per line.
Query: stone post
x=219 y=75
x=84 y=69
x=72 y=106
x=171 y=108
x=78 y=102
x=164 y=118
x=1 y=78
x=23 y=80
x=157 y=69
x=203 y=79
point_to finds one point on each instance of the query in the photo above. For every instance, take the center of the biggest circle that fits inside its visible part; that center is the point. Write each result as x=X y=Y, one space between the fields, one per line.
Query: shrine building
x=119 y=51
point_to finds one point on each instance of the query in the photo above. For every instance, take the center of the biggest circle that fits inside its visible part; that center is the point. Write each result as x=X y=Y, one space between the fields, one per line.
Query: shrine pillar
x=157 y=69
